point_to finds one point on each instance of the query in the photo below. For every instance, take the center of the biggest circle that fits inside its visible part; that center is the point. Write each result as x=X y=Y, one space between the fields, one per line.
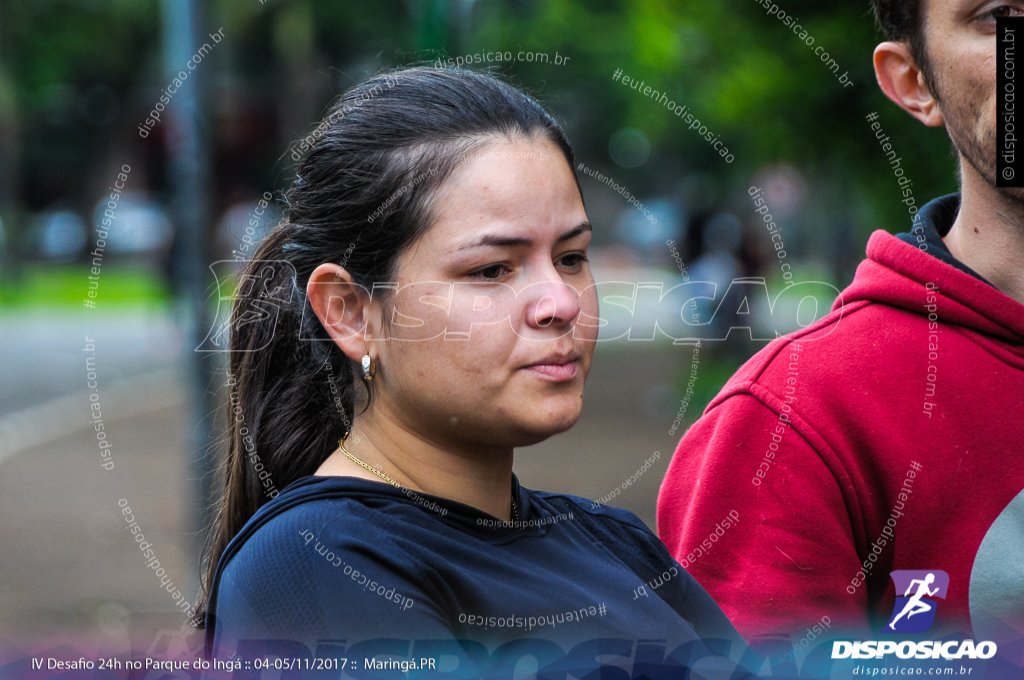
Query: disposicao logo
x=913 y=612
x=908 y=649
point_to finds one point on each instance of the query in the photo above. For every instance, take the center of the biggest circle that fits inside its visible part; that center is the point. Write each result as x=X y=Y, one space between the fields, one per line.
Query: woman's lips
x=556 y=372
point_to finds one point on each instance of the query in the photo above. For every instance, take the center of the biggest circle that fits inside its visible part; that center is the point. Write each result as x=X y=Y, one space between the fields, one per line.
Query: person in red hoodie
x=889 y=435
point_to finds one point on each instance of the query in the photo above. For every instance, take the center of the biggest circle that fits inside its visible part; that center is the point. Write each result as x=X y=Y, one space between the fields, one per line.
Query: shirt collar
x=931 y=224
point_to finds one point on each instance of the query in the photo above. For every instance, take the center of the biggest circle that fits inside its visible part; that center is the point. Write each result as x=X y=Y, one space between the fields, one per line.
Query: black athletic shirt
x=342 y=558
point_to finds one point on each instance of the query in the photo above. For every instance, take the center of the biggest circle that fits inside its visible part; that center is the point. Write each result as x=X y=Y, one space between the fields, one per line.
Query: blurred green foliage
x=745 y=74
x=749 y=78
x=46 y=286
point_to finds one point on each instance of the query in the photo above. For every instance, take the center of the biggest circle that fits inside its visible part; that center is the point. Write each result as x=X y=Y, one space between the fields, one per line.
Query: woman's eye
x=494 y=271
x=574 y=260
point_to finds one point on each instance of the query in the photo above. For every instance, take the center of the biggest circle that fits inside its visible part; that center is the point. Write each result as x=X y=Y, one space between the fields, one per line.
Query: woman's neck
x=460 y=471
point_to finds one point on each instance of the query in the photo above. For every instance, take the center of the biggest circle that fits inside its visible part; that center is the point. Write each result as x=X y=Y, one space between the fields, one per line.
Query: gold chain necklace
x=341 y=443
x=364 y=465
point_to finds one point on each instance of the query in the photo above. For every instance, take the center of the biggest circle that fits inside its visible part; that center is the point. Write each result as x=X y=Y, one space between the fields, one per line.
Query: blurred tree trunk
x=189 y=179
x=10 y=163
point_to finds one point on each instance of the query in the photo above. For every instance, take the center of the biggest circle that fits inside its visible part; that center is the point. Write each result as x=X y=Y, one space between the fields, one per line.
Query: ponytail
x=291 y=392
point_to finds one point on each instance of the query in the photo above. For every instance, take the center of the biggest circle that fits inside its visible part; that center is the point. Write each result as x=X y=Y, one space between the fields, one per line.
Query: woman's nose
x=550 y=303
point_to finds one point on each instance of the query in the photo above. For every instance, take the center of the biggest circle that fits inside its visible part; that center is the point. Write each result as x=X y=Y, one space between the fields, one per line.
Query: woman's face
x=499 y=282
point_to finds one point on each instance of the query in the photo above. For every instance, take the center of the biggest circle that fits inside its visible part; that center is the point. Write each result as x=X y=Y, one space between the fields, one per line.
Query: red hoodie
x=879 y=438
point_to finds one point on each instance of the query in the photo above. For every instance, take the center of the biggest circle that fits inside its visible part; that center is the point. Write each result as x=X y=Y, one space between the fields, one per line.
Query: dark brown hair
x=360 y=198
x=903 y=21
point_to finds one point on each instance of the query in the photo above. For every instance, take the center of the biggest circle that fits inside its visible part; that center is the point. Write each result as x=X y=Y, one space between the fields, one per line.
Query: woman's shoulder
x=320 y=530
x=331 y=509
x=312 y=565
x=290 y=527
x=314 y=520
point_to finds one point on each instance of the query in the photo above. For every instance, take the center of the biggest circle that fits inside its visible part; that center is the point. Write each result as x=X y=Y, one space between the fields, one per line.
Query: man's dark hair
x=903 y=21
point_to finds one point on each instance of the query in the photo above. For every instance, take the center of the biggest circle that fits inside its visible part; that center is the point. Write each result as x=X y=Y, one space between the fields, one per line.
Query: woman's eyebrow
x=512 y=241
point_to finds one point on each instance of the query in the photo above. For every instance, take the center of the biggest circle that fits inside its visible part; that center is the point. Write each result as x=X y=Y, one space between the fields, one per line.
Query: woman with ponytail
x=425 y=307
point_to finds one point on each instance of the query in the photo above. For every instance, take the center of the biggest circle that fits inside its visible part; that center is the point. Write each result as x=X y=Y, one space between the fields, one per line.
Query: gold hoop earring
x=368 y=368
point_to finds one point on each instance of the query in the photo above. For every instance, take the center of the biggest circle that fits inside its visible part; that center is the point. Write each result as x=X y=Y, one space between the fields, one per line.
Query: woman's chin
x=535 y=428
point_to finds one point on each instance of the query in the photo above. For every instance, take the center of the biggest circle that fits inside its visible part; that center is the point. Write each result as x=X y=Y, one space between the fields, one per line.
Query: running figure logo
x=913 y=613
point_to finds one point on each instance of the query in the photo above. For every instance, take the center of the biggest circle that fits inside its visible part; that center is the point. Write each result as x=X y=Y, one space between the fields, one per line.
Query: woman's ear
x=342 y=306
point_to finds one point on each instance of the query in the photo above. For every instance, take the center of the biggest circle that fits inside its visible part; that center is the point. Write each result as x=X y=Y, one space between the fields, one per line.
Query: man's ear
x=342 y=306
x=902 y=81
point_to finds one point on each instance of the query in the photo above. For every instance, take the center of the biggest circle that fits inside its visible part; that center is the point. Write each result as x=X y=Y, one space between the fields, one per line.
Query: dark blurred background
x=78 y=80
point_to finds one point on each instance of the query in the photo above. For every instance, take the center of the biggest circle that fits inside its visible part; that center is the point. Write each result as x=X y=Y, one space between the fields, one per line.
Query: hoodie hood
x=898 y=274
